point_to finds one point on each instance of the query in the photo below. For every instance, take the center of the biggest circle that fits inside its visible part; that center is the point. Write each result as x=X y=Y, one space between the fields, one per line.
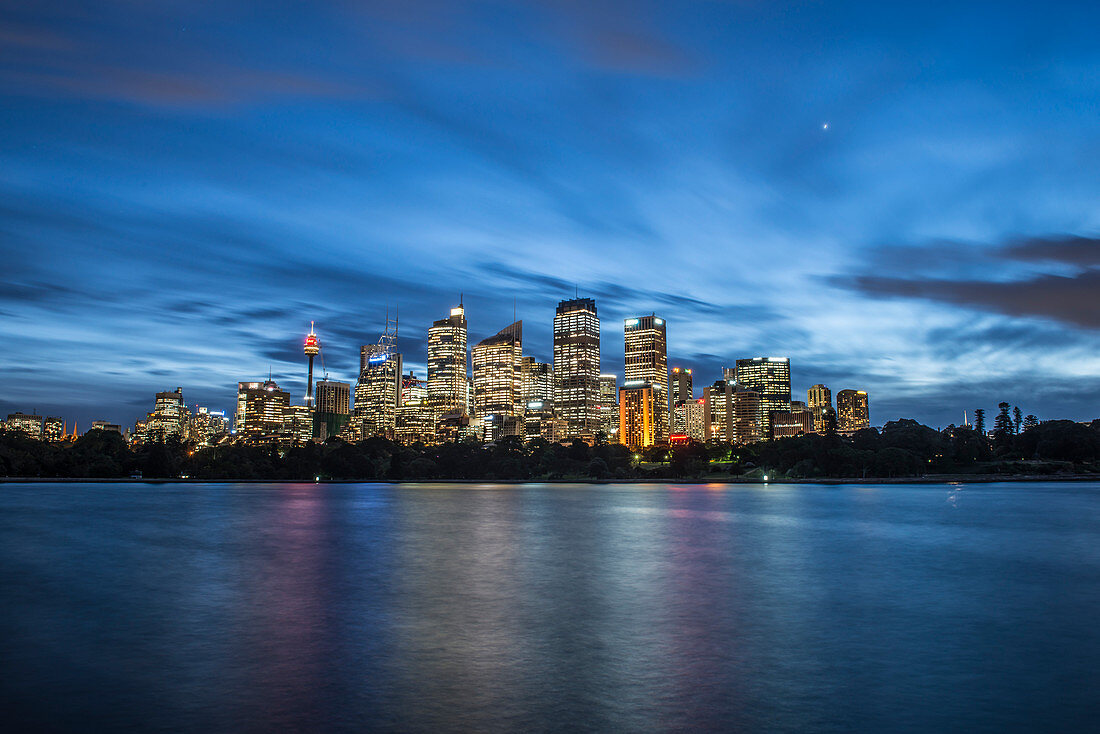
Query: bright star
x=824 y=126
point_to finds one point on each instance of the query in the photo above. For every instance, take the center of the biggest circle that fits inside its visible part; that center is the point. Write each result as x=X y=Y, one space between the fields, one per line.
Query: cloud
x=1005 y=289
x=1068 y=249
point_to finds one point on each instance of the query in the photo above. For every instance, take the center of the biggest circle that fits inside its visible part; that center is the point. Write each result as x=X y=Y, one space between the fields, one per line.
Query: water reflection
x=436 y=608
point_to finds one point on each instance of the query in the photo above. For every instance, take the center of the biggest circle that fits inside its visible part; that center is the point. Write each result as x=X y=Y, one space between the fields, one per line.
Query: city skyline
x=891 y=204
x=305 y=369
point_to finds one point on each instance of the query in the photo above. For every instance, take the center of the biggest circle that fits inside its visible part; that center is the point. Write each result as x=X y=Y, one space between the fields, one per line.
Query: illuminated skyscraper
x=448 y=385
x=333 y=396
x=261 y=409
x=748 y=426
x=646 y=361
x=577 y=368
x=681 y=388
x=819 y=399
x=298 y=422
x=170 y=417
x=538 y=399
x=415 y=422
x=609 y=405
x=332 y=406
x=718 y=411
x=377 y=393
x=771 y=378
x=638 y=410
x=498 y=382
x=851 y=411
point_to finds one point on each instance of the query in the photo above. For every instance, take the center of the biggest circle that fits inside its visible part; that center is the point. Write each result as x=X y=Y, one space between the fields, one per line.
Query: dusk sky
x=902 y=198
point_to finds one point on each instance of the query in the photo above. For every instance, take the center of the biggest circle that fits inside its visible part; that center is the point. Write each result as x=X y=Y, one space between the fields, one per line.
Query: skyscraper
x=681 y=389
x=538 y=399
x=748 y=426
x=819 y=398
x=377 y=393
x=261 y=408
x=609 y=405
x=498 y=382
x=414 y=420
x=771 y=378
x=332 y=405
x=638 y=410
x=851 y=411
x=170 y=416
x=332 y=396
x=718 y=411
x=646 y=361
x=577 y=368
x=447 y=374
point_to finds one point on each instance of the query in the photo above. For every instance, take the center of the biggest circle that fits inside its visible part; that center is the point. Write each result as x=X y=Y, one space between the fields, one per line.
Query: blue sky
x=901 y=197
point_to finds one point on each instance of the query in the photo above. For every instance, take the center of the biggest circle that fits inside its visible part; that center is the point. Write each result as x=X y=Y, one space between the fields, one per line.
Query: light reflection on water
x=549 y=607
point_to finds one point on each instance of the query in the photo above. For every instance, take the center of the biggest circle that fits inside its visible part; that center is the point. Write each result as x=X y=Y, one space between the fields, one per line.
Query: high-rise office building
x=646 y=360
x=748 y=426
x=332 y=396
x=851 y=411
x=609 y=405
x=298 y=422
x=377 y=393
x=498 y=382
x=538 y=399
x=681 y=389
x=261 y=409
x=415 y=421
x=771 y=378
x=577 y=368
x=638 y=410
x=718 y=411
x=170 y=417
x=819 y=398
x=448 y=381
x=689 y=419
x=332 y=407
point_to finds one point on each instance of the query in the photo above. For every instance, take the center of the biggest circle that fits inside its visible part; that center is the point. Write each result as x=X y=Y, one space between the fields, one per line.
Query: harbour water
x=374 y=607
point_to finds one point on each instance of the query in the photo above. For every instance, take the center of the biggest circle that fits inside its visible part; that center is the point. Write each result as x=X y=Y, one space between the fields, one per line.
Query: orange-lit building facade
x=638 y=415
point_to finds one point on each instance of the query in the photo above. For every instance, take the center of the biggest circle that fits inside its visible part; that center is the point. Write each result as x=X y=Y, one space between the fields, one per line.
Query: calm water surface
x=229 y=607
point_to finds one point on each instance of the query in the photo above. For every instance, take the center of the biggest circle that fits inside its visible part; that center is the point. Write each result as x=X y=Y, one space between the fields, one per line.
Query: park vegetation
x=902 y=448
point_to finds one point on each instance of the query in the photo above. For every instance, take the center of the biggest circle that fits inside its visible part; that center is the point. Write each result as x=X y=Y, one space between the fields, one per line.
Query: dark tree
x=1030 y=421
x=979 y=421
x=1017 y=418
x=1002 y=426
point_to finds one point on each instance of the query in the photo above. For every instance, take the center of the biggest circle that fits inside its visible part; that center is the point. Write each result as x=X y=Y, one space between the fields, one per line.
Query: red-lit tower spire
x=312 y=348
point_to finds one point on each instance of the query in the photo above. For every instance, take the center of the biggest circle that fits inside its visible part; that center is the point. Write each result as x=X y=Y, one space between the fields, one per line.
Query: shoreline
x=929 y=479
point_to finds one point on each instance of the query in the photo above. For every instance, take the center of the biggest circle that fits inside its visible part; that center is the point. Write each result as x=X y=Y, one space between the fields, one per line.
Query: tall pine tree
x=1002 y=425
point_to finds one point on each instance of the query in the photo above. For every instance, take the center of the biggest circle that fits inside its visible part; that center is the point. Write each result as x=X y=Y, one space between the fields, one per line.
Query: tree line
x=903 y=448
